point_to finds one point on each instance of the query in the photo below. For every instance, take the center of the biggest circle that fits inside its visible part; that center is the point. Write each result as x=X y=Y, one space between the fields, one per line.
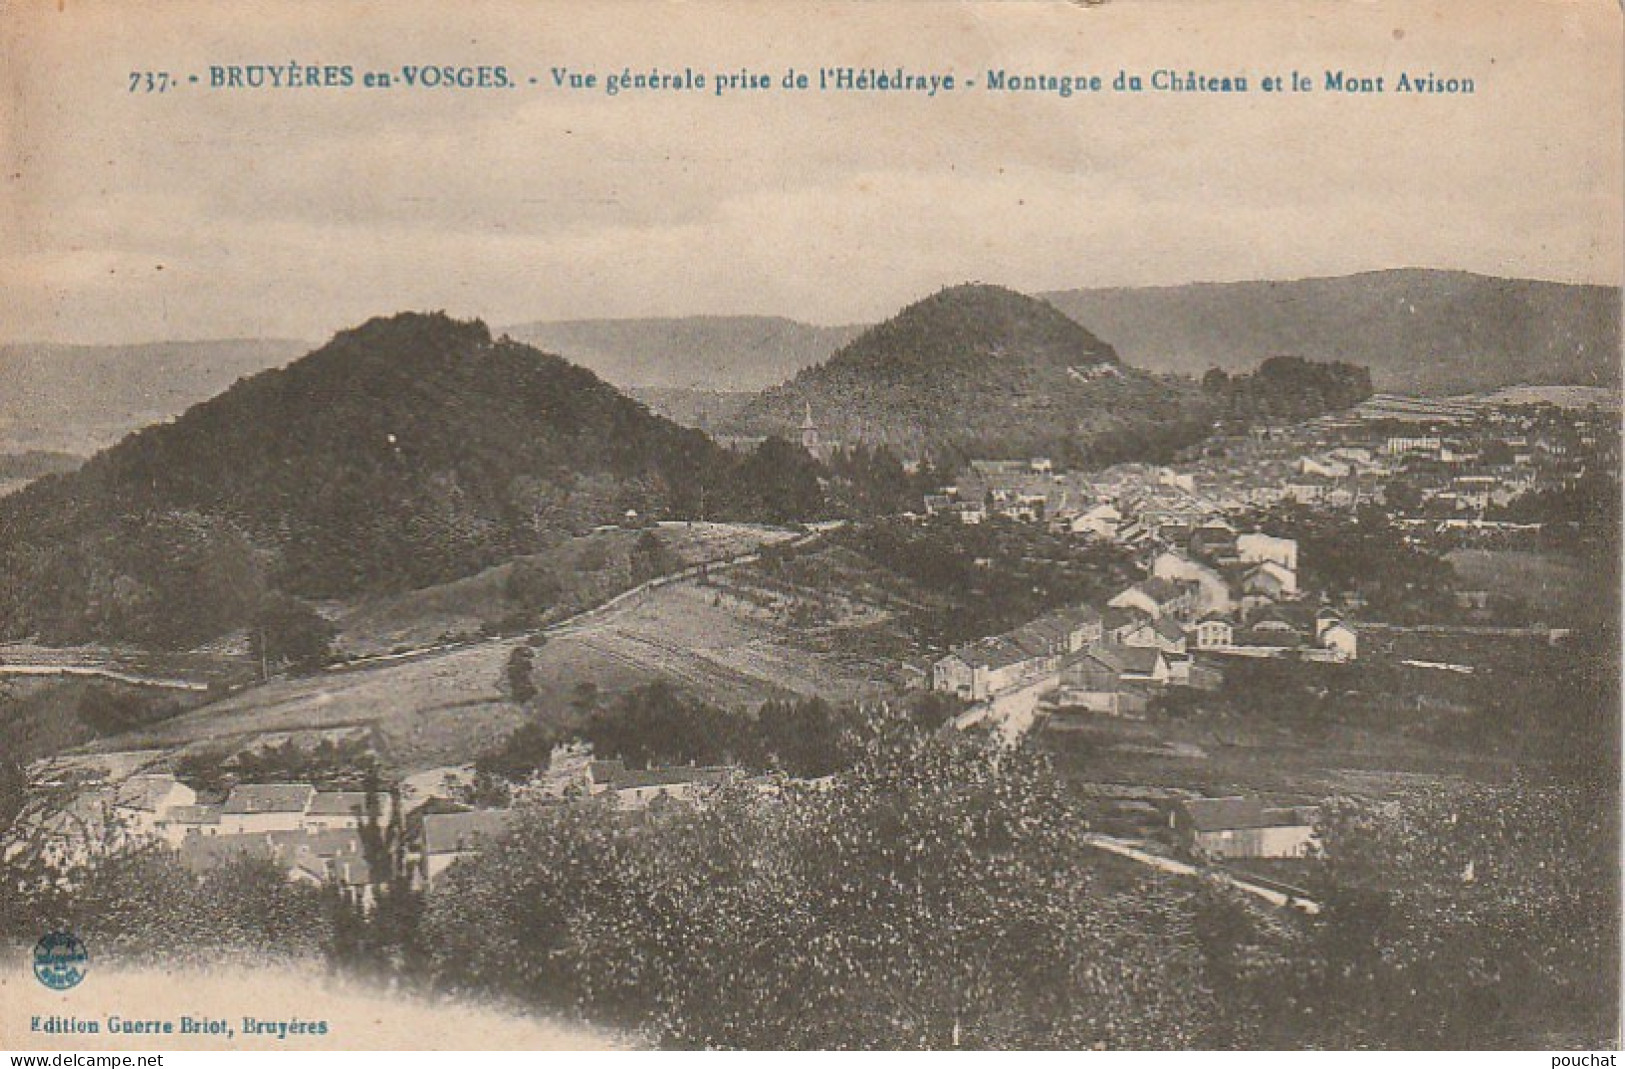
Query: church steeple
x=809 y=432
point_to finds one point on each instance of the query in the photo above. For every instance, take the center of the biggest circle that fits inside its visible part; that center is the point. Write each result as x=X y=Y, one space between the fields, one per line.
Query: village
x=1217 y=590
x=1442 y=464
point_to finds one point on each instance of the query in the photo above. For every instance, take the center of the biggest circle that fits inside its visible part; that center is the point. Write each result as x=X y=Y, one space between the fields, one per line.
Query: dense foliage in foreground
x=934 y=896
x=939 y=894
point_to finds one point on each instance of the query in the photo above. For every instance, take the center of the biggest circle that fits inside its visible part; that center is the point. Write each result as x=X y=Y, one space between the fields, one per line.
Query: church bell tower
x=809 y=433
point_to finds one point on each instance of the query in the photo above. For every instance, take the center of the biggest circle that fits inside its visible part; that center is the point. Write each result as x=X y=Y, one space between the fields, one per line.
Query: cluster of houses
x=1030 y=654
x=1461 y=458
x=1457 y=458
x=1211 y=591
x=315 y=835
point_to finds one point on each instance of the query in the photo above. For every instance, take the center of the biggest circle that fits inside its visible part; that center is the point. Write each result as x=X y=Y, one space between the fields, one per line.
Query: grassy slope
x=448 y=707
x=592 y=568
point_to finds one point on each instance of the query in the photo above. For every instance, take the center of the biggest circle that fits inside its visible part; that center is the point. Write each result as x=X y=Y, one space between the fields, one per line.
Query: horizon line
x=500 y=328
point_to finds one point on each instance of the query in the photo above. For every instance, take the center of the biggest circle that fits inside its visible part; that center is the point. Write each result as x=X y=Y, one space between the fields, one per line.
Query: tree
x=933 y=895
x=288 y=633
x=779 y=483
x=806 y=737
x=13 y=791
x=528 y=748
x=1486 y=898
x=521 y=663
x=649 y=557
x=532 y=587
x=656 y=724
x=584 y=697
x=379 y=935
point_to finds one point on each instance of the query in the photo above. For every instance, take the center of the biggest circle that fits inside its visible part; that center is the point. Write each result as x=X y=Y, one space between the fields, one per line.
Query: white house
x=1176 y=479
x=1165 y=634
x=1214 y=632
x=1339 y=637
x=1331 y=469
x=1256 y=547
x=1271 y=580
x=141 y=801
x=1244 y=827
x=1157 y=597
x=1212 y=592
x=1101 y=520
x=985 y=668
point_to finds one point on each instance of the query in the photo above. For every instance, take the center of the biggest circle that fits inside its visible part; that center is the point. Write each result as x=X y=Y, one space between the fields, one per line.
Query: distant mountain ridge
x=1418 y=330
x=81 y=398
x=732 y=353
x=980 y=370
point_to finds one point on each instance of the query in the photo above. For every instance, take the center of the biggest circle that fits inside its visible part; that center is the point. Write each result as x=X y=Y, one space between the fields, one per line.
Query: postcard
x=891 y=525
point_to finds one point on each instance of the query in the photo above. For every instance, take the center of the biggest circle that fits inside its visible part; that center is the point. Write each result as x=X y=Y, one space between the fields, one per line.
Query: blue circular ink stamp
x=60 y=960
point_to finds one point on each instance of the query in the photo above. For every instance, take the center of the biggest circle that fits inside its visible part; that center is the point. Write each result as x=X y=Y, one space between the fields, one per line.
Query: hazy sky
x=293 y=213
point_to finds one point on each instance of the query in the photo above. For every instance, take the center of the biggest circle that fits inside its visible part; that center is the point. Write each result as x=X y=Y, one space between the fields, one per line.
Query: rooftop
x=454 y=833
x=670 y=777
x=1235 y=814
x=145 y=792
x=193 y=814
x=269 y=798
x=339 y=803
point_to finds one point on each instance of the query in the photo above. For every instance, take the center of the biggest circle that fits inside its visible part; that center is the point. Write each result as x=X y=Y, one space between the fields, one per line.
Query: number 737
x=149 y=81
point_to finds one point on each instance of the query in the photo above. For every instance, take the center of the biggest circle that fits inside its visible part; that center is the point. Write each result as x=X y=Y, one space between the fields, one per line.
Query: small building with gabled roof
x=1239 y=827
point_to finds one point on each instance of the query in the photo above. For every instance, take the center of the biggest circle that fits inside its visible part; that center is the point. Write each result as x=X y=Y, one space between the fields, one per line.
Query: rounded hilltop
x=974 y=326
x=981 y=370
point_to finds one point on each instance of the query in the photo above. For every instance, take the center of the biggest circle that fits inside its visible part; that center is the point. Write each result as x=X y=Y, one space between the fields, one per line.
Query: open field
x=708 y=643
x=1559 y=589
x=427 y=711
x=447 y=707
x=196 y=667
x=1224 y=759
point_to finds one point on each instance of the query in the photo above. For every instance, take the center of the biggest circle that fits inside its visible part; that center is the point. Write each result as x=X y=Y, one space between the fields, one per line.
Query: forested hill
x=979 y=370
x=407 y=451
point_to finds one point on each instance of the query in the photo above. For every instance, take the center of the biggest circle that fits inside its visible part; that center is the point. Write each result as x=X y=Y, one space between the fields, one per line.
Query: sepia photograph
x=654 y=526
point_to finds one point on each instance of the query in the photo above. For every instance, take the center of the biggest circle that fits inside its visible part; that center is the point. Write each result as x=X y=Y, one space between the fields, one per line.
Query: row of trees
x=938 y=895
x=657 y=724
x=331 y=764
